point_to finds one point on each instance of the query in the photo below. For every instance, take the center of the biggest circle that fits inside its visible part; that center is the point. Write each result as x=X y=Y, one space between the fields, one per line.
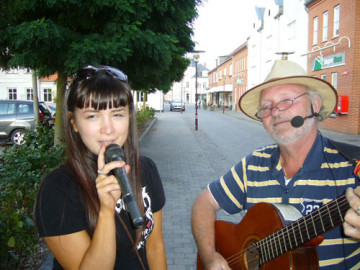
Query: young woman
x=79 y=210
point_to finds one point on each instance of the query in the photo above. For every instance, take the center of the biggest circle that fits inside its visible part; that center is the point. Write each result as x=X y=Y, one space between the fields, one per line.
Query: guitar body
x=233 y=242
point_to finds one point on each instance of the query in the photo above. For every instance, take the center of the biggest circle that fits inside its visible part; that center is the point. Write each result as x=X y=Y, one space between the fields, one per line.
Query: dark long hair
x=100 y=90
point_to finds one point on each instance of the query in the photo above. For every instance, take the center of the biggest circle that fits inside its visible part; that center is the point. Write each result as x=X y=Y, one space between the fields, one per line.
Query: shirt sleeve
x=59 y=207
x=229 y=191
x=151 y=178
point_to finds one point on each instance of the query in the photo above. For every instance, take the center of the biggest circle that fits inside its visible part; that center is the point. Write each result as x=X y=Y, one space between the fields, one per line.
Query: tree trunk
x=35 y=97
x=60 y=88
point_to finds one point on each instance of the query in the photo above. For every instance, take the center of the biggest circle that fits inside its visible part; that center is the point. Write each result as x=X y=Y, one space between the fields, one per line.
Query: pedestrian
x=80 y=211
x=302 y=169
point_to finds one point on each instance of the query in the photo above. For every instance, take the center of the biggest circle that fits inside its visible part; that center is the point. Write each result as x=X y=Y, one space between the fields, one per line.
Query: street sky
x=222 y=26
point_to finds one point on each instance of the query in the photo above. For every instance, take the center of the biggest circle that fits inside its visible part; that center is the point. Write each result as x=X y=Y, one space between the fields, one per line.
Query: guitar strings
x=339 y=205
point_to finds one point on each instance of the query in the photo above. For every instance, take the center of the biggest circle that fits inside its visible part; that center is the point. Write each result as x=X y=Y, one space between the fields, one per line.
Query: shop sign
x=330 y=61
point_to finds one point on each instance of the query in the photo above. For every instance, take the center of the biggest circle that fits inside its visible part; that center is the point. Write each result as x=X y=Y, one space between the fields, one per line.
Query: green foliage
x=21 y=170
x=143 y=116
x=147 y=38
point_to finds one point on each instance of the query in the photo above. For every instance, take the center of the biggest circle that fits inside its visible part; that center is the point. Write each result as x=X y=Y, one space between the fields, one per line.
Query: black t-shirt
x=60 y=210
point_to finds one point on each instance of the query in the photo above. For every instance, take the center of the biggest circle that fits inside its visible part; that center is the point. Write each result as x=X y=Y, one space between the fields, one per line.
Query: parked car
x=177 y=104
x=18 y=115
x=52 y=109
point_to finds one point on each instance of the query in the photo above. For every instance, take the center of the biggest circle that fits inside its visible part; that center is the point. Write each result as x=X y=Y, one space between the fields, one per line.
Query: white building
x=17 y=84
x=282 y=26
x=185 y=89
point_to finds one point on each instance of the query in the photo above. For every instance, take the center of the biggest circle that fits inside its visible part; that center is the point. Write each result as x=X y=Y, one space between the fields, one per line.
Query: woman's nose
x=106 y=126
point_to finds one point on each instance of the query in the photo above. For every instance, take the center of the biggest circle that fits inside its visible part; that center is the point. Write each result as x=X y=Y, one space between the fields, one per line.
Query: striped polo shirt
x=324 y=176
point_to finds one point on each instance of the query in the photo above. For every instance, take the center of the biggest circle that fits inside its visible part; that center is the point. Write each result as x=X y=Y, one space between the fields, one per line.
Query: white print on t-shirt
x=310 y=205
x=149 y=217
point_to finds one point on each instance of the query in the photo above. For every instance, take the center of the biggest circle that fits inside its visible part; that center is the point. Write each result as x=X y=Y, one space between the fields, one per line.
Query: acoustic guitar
x=275 y=236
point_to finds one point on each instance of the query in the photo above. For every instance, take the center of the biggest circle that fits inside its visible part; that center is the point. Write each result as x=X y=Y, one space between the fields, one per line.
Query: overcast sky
x=222 y=26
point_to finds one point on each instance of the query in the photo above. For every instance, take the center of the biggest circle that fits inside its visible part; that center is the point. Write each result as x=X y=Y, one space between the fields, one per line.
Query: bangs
x=102 y=93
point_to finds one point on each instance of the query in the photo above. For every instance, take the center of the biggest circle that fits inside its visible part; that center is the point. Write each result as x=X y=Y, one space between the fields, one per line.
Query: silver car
x=18 y=115
x=177 y=104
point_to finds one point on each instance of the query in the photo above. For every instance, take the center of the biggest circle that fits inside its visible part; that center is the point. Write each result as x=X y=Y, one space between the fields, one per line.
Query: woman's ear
x=72 y=121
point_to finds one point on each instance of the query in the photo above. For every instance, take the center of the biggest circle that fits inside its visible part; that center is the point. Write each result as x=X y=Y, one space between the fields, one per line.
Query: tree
x=147 y=39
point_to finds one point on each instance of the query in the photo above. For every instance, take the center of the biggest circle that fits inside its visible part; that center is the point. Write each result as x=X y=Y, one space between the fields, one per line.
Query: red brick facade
x=337 y=56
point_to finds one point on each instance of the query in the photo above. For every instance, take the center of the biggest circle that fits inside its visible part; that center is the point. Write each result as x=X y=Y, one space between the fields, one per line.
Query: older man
x=303 y=169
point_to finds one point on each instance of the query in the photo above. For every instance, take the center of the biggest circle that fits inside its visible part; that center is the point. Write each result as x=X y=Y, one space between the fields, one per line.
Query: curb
x=149 y=127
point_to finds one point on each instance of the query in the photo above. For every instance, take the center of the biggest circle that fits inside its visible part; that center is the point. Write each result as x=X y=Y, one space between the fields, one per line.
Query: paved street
x=188 y=160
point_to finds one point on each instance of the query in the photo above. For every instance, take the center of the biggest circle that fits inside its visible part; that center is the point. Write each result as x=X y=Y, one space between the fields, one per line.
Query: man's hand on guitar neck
x=352 y=217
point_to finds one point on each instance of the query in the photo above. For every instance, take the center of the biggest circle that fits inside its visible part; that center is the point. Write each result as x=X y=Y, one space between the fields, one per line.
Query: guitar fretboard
x=303 y=230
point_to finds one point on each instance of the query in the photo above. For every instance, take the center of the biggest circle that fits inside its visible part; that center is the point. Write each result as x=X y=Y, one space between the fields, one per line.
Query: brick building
x=334 y=55
x=228 y=80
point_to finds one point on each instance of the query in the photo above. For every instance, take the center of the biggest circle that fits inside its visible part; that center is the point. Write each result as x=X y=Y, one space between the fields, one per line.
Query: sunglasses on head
x=89 y=71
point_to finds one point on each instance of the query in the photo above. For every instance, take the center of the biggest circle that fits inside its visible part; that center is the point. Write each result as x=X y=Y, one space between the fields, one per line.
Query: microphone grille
x=113 y=152
x=297 y=121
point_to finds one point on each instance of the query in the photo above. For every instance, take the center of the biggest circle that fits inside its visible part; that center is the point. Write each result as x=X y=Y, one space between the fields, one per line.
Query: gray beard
x=292 y=135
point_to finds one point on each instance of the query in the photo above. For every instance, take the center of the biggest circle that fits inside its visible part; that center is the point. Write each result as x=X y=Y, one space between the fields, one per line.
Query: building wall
x=240 y=74
x=344 y=46
x=21 y=80
x=279 y=29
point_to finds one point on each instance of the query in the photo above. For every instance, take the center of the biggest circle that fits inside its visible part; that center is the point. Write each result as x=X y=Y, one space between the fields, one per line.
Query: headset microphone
x=298 y=121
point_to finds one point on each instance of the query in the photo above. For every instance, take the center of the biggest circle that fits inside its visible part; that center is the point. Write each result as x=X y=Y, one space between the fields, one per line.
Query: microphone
x=298 y=120
x=115 y=153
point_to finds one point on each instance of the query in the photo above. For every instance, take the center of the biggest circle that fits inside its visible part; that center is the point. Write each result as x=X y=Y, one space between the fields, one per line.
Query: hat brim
x=249 y=102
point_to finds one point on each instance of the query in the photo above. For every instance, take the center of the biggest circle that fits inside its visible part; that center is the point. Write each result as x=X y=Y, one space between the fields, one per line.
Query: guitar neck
x=318 y=222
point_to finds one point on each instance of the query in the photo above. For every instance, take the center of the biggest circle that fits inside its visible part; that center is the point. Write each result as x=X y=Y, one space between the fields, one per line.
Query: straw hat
x=284 y=72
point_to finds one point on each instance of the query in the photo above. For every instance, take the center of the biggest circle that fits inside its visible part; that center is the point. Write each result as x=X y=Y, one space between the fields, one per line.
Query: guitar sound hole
x=252 y=258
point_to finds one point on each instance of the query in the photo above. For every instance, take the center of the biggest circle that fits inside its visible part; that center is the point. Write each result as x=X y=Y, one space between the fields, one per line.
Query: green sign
x=334 y=60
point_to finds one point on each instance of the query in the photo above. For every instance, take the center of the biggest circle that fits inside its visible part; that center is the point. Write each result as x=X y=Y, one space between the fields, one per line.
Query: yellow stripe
x=263 y=183
x=338 y=260
x=356 y=267
x=267 y=200
x=324 y=182
x=229 y=194
x=336 y=165
x=258 y=168
x=262 y=155
x=245 y=179
x=338 y=241
x=237 y=179
x=300 y=200
x=329 y=150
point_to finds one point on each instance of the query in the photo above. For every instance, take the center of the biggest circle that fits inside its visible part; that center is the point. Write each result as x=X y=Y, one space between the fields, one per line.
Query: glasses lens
x=263 y=113
x=117 y=73
x=285 y=104
x=86 y=72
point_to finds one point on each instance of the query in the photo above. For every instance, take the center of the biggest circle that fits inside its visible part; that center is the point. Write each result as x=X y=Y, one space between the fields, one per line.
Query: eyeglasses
x=89 y=71
x=282 y=105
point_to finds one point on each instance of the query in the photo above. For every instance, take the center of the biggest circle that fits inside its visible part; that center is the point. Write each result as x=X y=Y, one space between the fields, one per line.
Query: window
x=325 y=26
x=47 y=95
x=323 y=76
x=29 y=94
x=13 y=93
x=140 y=96
x=204 y=85
x=315 y=33
x=334 y=79
x=24 y=108
x=336 y=20
x=230 y=70
x=6 y=108
x=187 y=84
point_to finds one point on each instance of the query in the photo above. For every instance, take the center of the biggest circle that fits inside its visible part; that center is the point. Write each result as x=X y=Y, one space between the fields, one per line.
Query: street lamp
x=196 y=60
x=224 y=77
